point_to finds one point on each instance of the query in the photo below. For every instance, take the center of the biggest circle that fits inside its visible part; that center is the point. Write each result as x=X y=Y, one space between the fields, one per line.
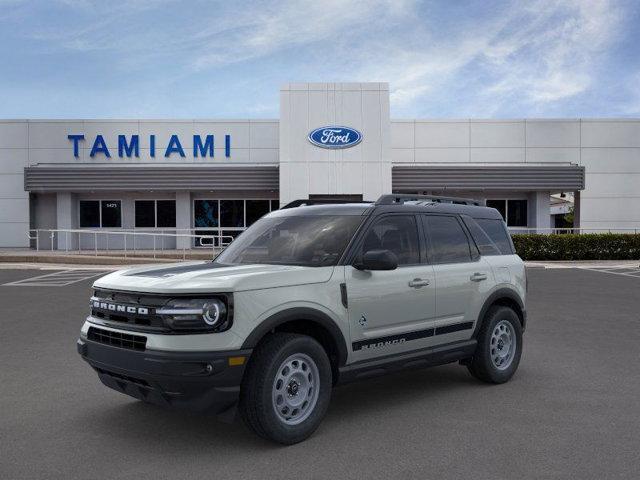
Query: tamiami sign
x=129 y=146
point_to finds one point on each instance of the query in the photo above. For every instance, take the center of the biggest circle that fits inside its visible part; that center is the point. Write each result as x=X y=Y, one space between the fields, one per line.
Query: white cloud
x=288 y=24
x=552 y=56
x=534 y=53
x=544 y=52
x=630 y=105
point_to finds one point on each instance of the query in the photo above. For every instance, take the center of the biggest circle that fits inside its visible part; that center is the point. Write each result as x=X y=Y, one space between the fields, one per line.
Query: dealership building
x=220 y=175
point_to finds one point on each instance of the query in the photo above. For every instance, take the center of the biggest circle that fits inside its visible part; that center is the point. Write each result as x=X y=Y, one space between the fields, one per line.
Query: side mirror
x=377 y=260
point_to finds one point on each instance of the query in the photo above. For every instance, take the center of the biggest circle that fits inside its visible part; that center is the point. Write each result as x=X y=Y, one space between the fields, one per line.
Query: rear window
x=496 y=231
x=486 y=246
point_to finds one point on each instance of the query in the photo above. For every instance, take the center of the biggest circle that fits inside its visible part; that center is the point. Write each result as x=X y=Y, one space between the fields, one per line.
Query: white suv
x=309 y=297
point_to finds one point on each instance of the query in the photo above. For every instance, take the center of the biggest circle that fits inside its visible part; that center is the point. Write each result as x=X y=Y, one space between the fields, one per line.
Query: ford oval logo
x=335 y=137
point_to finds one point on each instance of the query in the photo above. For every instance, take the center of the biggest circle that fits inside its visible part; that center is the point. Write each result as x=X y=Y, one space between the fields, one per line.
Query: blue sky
x=227 y=59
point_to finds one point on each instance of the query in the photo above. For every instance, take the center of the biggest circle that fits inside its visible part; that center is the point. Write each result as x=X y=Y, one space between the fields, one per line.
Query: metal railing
x=138 y=242
x=127 y=241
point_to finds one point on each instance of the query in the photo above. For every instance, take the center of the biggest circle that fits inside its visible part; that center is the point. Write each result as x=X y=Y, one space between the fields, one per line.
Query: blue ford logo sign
x=335 y=137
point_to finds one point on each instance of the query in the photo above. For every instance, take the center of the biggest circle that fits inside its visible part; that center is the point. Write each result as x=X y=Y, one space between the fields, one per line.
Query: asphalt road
x=571 y=411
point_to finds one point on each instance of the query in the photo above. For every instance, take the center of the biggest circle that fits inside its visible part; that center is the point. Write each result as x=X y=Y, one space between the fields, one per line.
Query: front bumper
x=199 y=381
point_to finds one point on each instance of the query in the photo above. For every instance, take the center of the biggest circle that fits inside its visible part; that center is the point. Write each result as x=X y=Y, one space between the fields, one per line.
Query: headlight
x=195 y=314
x=212 y=312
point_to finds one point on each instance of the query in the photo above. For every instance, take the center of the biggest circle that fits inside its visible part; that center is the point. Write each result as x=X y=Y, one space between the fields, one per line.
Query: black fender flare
x=493 y=298
x=297 y=314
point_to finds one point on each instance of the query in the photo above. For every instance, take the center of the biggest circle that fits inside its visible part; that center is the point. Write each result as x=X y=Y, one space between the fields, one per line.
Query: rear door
x=462 y=277
x=389 y=308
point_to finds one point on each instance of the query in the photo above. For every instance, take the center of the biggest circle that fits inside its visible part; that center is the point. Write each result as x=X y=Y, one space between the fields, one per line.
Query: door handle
x=478 y=277
x=418 y=282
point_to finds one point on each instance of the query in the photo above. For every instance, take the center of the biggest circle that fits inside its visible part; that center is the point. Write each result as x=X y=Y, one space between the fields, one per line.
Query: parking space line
x=56 y=279
x=623 y=271
x=72 y=277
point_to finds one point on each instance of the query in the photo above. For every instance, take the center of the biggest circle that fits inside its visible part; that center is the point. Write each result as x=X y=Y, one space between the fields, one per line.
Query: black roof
x=470 y=210
x=473 y=211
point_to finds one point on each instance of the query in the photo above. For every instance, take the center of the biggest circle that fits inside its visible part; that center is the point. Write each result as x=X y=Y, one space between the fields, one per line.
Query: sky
x=228 y=59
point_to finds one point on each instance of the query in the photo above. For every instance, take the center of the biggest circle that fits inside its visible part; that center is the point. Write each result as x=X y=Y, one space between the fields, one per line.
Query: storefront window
x=205 y=213
x=145 y=213
x=166 y=213
x=90 y=214
x=256 y=209
x=514 y=212
x=232 y=213
x=517 y=213
x=500 y=205
x=111 y=211
x=100 y=213
x=155 y=213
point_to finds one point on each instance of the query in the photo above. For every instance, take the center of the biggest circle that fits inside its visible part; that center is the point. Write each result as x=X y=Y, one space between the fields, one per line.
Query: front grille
x=136 y=310
x=117 y=339
x=147 y=321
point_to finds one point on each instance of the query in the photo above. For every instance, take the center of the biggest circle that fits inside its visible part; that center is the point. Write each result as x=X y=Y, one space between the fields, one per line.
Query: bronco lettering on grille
x=119 y=308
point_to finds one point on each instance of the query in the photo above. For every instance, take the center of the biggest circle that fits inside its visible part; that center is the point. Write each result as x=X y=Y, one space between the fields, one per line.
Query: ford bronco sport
x=309 y=297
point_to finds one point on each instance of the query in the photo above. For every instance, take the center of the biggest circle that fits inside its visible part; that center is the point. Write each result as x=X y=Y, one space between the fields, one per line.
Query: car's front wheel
x=499 y=347
x=287 y=387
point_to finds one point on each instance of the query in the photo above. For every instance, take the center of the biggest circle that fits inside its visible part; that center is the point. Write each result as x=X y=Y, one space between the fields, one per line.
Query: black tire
x=257 y=406
x=481 y=365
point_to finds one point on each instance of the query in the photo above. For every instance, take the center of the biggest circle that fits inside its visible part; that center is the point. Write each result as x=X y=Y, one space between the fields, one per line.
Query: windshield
x=314 y=241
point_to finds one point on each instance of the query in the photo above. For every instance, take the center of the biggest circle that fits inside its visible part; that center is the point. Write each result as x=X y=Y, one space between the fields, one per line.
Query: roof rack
x=401 y=198
x=318 y=201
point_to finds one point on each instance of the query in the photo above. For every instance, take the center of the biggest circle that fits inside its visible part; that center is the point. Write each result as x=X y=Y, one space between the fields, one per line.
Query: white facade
x=609 y=150
x=306 y=169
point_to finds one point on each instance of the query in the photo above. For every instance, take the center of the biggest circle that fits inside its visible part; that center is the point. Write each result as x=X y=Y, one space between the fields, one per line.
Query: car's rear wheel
x=499 y=347
x=287 y=387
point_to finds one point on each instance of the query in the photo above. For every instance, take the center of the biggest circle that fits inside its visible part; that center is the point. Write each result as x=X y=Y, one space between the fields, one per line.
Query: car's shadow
x=145 y=425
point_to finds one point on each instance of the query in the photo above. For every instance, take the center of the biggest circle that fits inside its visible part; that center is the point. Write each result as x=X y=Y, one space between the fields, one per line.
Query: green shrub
x=587 y=246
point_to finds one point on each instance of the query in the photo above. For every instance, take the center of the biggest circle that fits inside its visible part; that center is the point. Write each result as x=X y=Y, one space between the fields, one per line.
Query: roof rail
x=318 y=201
x=390 y=199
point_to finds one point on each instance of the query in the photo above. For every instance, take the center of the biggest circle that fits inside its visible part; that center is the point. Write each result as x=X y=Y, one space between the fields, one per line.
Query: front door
x=389 y=308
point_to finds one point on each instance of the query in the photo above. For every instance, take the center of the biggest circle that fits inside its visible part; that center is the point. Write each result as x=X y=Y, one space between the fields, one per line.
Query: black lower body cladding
x=199 y=381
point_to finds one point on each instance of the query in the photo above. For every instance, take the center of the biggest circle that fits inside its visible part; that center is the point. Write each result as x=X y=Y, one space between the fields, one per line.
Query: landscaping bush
x=587 y=246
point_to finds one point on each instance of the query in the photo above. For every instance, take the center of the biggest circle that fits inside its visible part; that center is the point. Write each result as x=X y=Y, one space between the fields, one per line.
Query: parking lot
x=571 y=411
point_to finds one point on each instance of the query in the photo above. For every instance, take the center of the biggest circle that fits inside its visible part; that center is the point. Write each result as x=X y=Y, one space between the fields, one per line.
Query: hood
x=210 y=277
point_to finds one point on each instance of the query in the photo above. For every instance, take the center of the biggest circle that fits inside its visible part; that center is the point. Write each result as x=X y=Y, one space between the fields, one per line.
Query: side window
x=449 y=243
x=397 y=233
x=497 y=232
